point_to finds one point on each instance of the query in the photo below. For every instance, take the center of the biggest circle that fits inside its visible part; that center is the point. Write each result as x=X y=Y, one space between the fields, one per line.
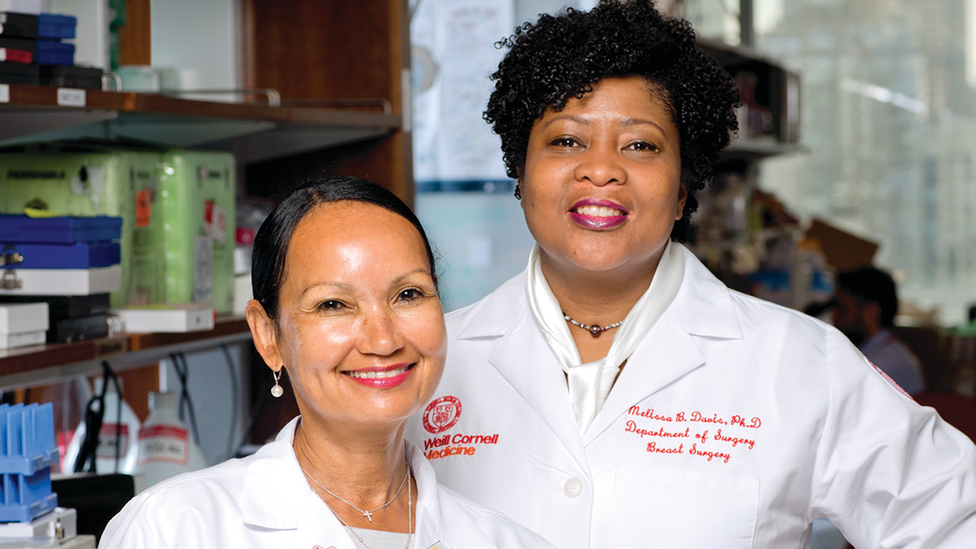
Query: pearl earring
x=277 y=391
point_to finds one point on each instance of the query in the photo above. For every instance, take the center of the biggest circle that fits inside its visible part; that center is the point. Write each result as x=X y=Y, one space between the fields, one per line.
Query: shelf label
x=71 y=97
x=4 y=93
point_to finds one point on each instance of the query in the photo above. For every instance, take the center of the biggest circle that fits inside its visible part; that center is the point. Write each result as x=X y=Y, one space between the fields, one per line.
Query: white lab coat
x=798 y=423
x=264 y=501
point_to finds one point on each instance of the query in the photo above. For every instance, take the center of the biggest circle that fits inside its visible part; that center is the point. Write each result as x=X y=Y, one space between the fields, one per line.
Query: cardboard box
x=843 y=250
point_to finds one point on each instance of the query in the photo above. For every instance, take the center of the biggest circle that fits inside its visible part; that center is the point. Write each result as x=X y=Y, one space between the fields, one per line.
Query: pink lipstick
x=598 y=214
x=382 y=377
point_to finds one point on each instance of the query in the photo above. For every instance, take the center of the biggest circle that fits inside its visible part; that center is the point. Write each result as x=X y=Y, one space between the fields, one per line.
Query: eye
x=331 y=305
x=564 y=142
x=642 y=146
x=410 y=294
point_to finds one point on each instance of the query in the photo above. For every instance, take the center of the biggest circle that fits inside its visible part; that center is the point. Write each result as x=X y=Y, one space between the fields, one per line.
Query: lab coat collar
x=522 y=356
x=703 y=307
x=278 y=497
x=666 y=354
x=494 y=316
x=703 y=302
x=276 y=494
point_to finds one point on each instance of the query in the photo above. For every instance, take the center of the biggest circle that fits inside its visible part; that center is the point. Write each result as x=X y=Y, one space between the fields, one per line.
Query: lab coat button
x=573 y=487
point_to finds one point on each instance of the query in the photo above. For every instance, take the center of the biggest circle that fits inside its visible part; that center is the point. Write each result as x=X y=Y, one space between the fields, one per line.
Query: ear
x=682 y=199
x=520 y=183
x=871 y=315
x=264 y=334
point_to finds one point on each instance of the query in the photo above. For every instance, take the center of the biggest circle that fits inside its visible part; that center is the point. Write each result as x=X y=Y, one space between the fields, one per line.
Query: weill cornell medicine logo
x=442 y=414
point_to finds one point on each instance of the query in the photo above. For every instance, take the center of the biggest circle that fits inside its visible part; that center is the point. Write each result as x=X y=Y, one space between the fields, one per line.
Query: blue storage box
x=27 y=443
x=80 y=255
x=59 y=230
x=55 y=53
x=27 y=451
x=24 y=498
x=56 y=26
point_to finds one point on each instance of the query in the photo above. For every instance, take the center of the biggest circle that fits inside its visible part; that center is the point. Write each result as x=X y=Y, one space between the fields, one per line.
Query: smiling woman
x=610 y=120
x=345 y=299
x=357 y=313
x=601 y=187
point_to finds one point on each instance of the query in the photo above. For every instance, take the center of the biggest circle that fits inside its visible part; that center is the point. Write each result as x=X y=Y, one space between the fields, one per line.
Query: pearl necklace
x=594 y=330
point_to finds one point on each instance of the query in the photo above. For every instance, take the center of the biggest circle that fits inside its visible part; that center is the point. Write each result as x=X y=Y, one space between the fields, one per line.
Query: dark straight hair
x=271 y=242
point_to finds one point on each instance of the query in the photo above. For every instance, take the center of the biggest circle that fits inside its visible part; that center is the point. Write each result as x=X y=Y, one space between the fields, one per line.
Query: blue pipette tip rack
x=27 y=451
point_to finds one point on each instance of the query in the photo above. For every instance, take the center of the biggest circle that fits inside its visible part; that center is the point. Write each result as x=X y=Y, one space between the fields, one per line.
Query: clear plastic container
x=166 y=446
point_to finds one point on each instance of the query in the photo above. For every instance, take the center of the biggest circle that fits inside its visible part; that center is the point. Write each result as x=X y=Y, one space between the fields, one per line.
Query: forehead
x=330 y=232
x=623 y=93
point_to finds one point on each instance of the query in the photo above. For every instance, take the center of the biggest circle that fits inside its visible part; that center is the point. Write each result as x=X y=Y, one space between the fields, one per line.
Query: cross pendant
x=368 y=515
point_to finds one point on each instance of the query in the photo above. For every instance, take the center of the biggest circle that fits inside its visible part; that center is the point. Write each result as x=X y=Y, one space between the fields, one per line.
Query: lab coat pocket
x=663 y=508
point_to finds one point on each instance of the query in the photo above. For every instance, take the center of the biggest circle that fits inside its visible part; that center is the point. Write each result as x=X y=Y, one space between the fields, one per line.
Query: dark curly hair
x=563 y=56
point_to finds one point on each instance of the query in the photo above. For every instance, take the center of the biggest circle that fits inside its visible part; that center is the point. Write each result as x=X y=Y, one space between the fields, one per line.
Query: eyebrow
x=308 y=288
x=349 y=288
x=584 y=121
x=419 y=270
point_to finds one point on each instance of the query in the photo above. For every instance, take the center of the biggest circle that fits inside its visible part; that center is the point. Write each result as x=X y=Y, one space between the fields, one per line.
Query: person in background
x=864 y=309
x=616 y=394
x=969 y=327
x=346 y=300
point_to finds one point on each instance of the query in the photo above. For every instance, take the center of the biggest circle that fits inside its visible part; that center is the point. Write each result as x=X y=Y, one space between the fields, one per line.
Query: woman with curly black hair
x=616 y=394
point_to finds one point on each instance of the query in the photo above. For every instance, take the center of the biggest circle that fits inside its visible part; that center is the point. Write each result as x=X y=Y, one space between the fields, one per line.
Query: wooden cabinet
x=333 y=52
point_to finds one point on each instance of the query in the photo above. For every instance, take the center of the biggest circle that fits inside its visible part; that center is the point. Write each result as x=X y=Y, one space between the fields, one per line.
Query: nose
x=600 y=165
x=380 y=334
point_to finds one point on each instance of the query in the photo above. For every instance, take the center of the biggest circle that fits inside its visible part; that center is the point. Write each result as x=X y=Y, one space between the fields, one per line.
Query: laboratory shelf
x=253 y=132
x=28 y=366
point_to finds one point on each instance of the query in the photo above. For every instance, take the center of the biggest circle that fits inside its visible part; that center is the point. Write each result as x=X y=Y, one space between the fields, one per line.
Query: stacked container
x=27 y=451
x=61 y=257
x=34 y=50
x=91 y=180
x=178 y=211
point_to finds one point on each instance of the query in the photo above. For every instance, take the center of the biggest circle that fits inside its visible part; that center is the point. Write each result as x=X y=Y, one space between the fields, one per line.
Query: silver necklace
x=594 y=330
x=409 y=515
x=367 y=514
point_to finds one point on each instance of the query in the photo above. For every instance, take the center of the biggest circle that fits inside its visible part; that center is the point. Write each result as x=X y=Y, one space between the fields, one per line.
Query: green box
x=197 y=197
x=85 y=180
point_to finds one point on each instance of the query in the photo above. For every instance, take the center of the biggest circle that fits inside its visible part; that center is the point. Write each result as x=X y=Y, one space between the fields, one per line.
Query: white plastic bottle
x=114 y=434
x=166 y=447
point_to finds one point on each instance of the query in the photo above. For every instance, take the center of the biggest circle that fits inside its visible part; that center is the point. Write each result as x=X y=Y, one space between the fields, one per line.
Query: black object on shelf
x=19 y=73
x=96 y=498
x=19 y=25
x=65 y=306
x=78 y=329
x=71 y=76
